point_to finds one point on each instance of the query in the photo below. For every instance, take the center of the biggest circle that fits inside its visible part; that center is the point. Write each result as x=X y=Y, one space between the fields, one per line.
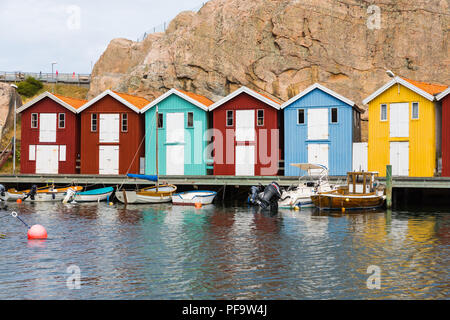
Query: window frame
x=92 y=122
x=257 y=118
x=337 y=115
x=298 y=116
x=37 y=121
x=160 y=123
x=381 y=112
x=412 y=111
x=232 y=118
x=123 y=119
x=190 y=113
x=59 y=120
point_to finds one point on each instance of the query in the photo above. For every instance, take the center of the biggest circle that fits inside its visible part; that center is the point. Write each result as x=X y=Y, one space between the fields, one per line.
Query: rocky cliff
x=280 y=47
x=7 y=96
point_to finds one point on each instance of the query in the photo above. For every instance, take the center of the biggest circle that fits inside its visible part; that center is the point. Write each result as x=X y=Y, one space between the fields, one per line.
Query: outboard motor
x=31 y=193
x=254 y=194
x=2 y=192
x=267 y=199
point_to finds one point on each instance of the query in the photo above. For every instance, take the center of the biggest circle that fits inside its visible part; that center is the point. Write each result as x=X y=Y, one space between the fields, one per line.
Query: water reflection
x=217 y=252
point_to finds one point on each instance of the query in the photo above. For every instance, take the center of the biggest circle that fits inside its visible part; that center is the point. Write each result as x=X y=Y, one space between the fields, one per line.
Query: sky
x=74 y=33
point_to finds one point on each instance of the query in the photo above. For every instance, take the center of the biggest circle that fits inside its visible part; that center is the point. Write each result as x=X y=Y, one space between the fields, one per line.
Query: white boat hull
x=191 y=198
x=39 y=197
x=92 y=197
x=145 y=196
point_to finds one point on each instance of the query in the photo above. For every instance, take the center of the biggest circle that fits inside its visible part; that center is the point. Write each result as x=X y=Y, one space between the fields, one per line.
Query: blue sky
x=74 y=33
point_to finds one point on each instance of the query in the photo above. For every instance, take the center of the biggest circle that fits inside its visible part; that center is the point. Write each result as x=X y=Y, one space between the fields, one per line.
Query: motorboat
x=94 y=195
x=193 y=197
x=155 y=194
x=45 y=194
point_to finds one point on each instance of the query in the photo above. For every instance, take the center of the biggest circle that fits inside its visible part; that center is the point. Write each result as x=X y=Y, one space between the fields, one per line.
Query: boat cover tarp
x=97 y=191
x=309 y=166
x=143 y=177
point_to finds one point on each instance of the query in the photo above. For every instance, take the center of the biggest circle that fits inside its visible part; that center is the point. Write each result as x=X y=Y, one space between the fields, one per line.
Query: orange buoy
x=37 y=232
x=343 y=210
x=19 y=200
x=198 y=205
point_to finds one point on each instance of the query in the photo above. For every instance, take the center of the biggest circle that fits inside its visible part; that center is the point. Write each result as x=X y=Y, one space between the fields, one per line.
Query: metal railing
x=163 y=26
x=18 y=76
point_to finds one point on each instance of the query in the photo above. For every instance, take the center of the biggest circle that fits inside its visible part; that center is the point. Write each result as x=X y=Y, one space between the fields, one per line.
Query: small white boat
x=160 y=194
x=40 y=195
x=300 y=196
x=193 y=197
x=95 y=195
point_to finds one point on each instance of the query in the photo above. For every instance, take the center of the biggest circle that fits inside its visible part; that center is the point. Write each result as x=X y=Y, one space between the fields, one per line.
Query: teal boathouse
x=182 y=124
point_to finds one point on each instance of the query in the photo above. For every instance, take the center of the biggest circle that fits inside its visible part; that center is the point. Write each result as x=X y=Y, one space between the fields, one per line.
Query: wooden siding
x=129 y=142
x=67 y=136
x=195 y=144
x=340 y=135
x=446 y=136
x=271 y=122
x=422 y=133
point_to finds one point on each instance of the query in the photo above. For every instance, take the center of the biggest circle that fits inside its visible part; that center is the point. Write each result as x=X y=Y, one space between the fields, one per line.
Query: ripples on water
x=171 y=252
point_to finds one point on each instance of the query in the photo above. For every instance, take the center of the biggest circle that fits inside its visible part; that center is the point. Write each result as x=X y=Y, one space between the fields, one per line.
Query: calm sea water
x=170 y=252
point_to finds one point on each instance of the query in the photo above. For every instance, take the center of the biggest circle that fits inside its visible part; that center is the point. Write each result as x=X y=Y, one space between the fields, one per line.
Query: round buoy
x=296 y=208
x=37 y=232
x=343 y=210
x=111 y=203
x=19 y=200
x=198 y=205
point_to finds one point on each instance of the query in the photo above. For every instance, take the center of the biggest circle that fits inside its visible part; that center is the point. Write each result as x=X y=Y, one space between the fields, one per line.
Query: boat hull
x=190 y=198
x=95 y=197
x=45 y=195
x=335 y=201
x=147 y=195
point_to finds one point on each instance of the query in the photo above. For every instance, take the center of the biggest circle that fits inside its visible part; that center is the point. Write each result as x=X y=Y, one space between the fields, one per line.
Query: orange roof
x=266 y=96
x=430 y=88
x=203 y=100
x=139 y=102
x=76 y=103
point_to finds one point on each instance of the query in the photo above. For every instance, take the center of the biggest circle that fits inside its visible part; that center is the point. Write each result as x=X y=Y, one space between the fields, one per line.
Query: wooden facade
x=246 y=137
x=112 y=134
x=182 y=130
x=404 y=128
x=320 y=127
x=50 y=135
x=444 y=101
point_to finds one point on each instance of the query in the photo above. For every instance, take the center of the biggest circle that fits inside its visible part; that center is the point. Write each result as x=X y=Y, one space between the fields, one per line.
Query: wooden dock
x=113 y=180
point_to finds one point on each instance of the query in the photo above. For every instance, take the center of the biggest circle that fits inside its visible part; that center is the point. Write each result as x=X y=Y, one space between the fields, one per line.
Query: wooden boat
x=361 y=192
x=155 y=194
x=45 y=194
x=193 y=197
x=95 y=195
x=300 y=196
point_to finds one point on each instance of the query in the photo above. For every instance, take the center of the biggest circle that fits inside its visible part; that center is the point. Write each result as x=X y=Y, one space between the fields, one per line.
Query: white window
x=190 y=120
x=124 y=122
x=34 y=120
x=32 y=152
x=109 y=130
x=62 y=120
x=415 y=111
x=94 y=122
x=260 y=120
x=383 y=112
x=230 y=121
x=62 y=153
x=47 y=127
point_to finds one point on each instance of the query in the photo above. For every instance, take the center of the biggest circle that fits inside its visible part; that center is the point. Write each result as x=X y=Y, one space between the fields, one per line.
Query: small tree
x=29 y=87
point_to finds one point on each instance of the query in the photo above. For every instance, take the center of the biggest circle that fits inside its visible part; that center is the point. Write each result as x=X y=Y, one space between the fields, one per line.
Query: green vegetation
x=29 y=87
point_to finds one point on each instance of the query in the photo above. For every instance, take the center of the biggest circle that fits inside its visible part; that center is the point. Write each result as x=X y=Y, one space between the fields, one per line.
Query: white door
x=175 y=160
x=108 y=158
x=175 y=127
x=109 y=128
x=360 y=156
x=47 y=127
x=245 y=160
x=399 y=120
x=47 y=159
x=399 y=156
x=245 y=125
x=318 y=154
x=317 y=124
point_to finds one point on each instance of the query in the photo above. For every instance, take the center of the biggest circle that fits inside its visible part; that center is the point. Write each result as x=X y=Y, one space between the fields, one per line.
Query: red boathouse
x=50 y=135
x=112 y=133
x=246 y=134
x=444 y=98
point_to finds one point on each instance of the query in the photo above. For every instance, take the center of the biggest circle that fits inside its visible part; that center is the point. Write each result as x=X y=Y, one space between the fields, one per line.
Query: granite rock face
x=7 y=96
x=280 y=47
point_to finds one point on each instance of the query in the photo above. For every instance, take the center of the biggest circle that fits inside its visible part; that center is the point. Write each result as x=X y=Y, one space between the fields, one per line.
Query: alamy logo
x=74 y=19
x=74 y=280
x=374 y=20
x=374 y=281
